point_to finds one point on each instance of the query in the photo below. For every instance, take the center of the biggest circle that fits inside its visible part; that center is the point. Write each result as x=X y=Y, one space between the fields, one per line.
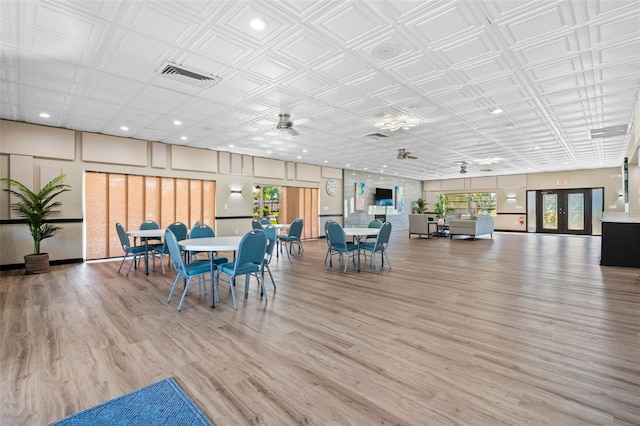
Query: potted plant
x=35 y=208
x=441 y=206
x=421 y=205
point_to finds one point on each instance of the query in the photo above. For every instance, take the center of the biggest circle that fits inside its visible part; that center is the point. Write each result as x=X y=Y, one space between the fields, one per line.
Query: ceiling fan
x=285 y=123
x=463 y=166
x=403 y=154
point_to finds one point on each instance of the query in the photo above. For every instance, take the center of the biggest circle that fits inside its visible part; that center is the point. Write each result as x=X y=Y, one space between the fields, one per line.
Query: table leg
x=213 y=287
x=146 y=256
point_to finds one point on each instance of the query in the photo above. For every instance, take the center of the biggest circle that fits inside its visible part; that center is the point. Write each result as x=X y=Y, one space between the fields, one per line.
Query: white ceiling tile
x=269 y=68
x=225 y=50
x=50 y=17
x=304 y=48
x=444 y=24
x=349 y=22
x=622 y=29
x=543 y=21
x=152 y=21
x=484 y=69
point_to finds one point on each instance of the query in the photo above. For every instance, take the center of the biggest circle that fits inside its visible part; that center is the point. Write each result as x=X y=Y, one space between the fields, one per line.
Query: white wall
x=74 y=152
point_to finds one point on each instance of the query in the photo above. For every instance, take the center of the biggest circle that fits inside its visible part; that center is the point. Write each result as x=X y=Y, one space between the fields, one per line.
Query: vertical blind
x=301 y=202
x=131 y=199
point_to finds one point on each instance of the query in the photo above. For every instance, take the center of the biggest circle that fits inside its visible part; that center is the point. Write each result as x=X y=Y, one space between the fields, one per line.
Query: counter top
x=621 y=219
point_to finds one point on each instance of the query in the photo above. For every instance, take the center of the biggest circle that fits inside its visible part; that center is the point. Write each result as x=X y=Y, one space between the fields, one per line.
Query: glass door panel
x=550 y=211
x=575 y=212
x=564 y=211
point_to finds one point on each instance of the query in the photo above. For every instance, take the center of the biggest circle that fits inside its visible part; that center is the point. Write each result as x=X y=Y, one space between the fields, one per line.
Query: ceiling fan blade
x=293 y=132
x=412 y=157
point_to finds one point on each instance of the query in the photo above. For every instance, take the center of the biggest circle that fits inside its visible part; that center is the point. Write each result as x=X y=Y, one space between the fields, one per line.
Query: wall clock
x=332 y=187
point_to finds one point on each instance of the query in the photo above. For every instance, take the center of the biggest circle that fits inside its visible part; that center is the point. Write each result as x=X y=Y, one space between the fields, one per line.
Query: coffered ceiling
x=342 y=70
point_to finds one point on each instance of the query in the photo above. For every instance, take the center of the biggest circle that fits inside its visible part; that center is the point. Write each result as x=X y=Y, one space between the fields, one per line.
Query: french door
x=566 y=211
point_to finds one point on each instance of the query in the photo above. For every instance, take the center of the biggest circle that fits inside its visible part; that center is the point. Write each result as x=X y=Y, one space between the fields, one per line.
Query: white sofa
x=481 y=225
x=419 y=224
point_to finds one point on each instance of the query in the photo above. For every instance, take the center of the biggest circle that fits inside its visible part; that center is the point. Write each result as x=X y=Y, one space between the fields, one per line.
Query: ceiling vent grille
x=188 y=76
x=376 y=135
x=608 y=132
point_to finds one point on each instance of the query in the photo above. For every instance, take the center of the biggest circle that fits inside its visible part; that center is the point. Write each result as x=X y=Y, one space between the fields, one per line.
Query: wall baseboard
x=15 y=266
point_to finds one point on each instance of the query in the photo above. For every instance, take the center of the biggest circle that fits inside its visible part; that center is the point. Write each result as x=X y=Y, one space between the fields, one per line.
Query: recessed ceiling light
x=347 y=165
x=125 y=128
x=497 y=110
x=230 y=145
x=268 y=152
x=326 y=161
x=184 y=138
x=384 y=165
x=299 y=156
x=258 y=24
x=304 y=150
x=44 y=115
x=177 y=122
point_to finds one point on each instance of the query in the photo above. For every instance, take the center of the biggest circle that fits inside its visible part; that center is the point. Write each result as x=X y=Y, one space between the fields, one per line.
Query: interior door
x=566 y=211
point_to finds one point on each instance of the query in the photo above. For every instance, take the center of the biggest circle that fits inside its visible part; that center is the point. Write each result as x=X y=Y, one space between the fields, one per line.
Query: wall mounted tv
x=384 y=197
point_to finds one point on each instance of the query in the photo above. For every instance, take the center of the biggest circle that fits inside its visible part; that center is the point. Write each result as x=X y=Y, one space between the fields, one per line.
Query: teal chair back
x=265 y=221
x=122 y=235
x=255 y=224
x=202 y=231
x=175 y=254
x=383 y=236
x=271 y=233
x=149 y=224
x=296 y=228
x=336 y=235
x=180 y=230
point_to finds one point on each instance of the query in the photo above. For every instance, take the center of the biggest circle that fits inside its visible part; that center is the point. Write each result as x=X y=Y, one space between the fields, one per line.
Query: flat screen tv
x=384 y=197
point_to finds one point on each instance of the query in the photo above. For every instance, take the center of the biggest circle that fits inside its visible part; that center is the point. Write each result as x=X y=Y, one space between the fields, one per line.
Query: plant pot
x=36 y=263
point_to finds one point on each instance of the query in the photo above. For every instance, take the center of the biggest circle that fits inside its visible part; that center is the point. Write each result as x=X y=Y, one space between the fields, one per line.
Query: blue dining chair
x=186 y=271
x=376 y=223
x=379 y=246
x=255 y=224
x=265 y=221
x=181 y=231
x=293 y=237
x=134 y=251
x=248 y=262
x=200 y=231
x=339 y=245
x=154 y=244
x=326 y=234
x=271 y=233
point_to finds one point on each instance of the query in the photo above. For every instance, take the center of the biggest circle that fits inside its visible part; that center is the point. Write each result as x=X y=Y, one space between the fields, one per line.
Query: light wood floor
x=519 y=329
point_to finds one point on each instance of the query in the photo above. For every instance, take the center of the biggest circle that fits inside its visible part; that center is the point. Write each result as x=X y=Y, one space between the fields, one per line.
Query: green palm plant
x=36 y=207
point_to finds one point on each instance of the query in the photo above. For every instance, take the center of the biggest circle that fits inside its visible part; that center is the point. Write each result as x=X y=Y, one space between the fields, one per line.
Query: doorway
x=564 y=211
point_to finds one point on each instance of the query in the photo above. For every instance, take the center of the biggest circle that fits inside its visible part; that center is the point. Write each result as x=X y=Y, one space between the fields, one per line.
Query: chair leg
x=270 y=275
x=184 y=293
x=173 y=287
x=122 y=263
x=131 y=264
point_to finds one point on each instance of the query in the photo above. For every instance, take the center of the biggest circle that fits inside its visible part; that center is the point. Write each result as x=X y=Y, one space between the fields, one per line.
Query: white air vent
x=608 y=132
x=376 y=135
x=188 y=76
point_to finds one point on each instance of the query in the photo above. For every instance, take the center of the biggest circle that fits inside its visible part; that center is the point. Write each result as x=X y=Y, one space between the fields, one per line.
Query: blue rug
x=162 y=403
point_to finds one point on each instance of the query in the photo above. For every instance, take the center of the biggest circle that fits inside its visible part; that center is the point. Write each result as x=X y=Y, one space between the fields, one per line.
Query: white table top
x=147 y=233
x=353 y=232
x=211 y=243
x=282 y=225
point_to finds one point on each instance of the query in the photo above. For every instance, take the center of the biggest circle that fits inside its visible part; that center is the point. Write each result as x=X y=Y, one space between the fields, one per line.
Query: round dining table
x=147 y=234
x=358 y=234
